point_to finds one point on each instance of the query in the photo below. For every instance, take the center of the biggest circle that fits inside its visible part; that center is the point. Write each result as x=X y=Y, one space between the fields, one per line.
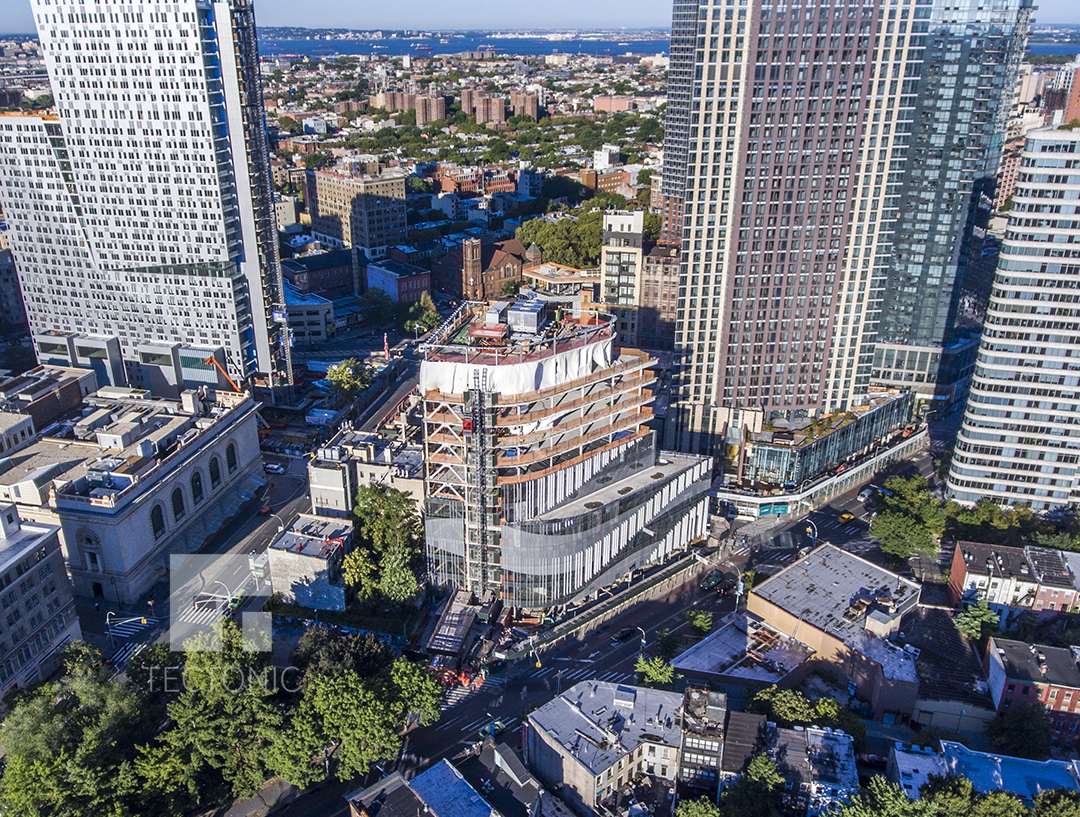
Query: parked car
x=625 y=634
x=273 y=468
x=865 y=494
x=874 y=761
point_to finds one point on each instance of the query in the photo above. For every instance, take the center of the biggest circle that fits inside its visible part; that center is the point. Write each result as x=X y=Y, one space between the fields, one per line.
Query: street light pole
x=811 y=529
x=642 y=650
x=108 y=626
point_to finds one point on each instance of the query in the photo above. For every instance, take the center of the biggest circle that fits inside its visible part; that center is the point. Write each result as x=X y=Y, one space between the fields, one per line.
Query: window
x=157 y=521
x=196 y=488
x=230 y=457
x=215 y=472
x=178 y=504
x=93 y=562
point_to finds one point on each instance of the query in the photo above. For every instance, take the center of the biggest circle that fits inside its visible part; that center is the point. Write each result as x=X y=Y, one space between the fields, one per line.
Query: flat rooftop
x=558 y=274
x=597 y=722
x=949 y=668
x=313 y=536
x=19 y=543
x=914 y=767
x=453 y=340
x=1022 y=777
x=447 y=794
x=746 y=649
x=667 y=465
x=1037 y=664
x=835 y=591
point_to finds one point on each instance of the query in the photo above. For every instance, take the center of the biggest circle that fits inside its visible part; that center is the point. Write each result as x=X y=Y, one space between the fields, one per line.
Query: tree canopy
x=350 y=377
x=573 y=243
x=909 y=518
x=1022 y=730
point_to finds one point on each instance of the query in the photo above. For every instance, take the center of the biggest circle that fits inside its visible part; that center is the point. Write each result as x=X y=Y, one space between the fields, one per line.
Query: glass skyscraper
x=807 y=141
x=1018 y=442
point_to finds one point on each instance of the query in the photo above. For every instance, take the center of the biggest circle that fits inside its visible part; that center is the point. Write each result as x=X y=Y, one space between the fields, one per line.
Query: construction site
x=543 y=479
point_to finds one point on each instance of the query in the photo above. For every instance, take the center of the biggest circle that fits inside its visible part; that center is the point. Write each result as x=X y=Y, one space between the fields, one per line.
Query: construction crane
x=212 y=361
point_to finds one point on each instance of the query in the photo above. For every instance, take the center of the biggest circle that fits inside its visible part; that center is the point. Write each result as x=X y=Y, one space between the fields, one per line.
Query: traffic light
x=144 y=620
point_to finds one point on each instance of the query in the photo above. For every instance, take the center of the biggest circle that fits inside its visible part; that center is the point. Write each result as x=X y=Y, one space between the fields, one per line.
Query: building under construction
x=542 y=479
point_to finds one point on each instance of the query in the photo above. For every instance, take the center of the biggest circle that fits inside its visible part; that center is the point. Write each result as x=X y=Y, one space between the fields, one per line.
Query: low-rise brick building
x=1032 y=673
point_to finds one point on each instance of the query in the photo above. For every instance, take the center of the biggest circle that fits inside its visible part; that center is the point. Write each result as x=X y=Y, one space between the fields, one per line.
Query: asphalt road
x=823 y=525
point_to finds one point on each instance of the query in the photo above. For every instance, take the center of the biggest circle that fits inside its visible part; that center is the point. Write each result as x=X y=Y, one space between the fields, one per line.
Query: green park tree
x=654 y=672
x=1022 y=730
x=350 y=377
x=359 y=572
x=700 y=621
x=976 y=621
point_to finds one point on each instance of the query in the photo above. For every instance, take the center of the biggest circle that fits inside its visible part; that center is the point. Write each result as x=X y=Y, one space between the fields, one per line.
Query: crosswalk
x=121 y=657
x=573 y=676
x=127 y=629
x=204 y=615
x=470 y=725
x=459 y=694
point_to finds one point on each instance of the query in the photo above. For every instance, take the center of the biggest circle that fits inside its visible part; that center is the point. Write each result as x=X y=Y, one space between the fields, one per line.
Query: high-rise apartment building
x=142 y=209
x=364 y=211
x=1018 y=441
x=828 y=156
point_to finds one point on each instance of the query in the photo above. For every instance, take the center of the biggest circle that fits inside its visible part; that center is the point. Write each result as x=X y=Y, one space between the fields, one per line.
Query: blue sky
x=485 y=14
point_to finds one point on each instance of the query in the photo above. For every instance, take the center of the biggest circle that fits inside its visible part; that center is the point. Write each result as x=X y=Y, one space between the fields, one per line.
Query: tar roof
x=744 y=734
x=502 y=778
x=1026 y=662
x=448 y=794
x=1022 y=777
x=949 y=667
x=830 y=589
x=598 y=722
x=995 y=560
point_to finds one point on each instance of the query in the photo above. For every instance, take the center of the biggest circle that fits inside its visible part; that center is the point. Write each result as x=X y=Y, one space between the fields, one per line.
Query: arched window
x=196 y=488
x=215 y=472
x=157 y=521
x=230 y=457
x=178 y=504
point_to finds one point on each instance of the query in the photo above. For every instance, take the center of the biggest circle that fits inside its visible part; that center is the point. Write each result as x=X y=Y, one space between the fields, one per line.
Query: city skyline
x=488 y=14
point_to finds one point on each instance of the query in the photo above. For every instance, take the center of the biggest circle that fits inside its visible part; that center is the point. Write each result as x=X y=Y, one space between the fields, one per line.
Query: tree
x=667 y=644
x=69 y=745
x=654 y=672
x=322 y=651
x=757 y=791
x=153 y=672
x=290 y=125
x=349 y=378
x=224 y=722
x=1057 y=803
x=900 y=536
x=313 y=161
x=417 y=690
x=1023 y=730
x=397 y=581
x=787 y=707
x=880 y=798
x=359 y=571
x=387 y=516
x=700 y=621
x=702 y=807
x=652 y=225
x=909 y=518
x=976 y=620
